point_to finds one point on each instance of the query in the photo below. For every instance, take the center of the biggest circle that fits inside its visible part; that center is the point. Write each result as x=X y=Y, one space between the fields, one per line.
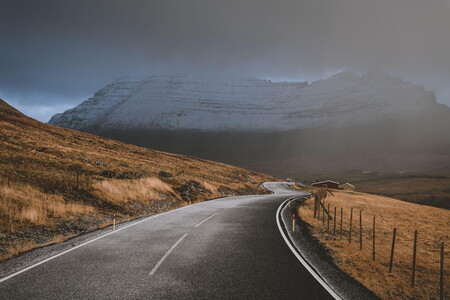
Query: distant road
x=230 y=248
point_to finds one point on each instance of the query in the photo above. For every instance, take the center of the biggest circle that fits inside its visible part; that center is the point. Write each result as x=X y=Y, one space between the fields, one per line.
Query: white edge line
x=205 y=220
x=301 y=259
x=155 y=268
x=102 y=236
x=97 y=238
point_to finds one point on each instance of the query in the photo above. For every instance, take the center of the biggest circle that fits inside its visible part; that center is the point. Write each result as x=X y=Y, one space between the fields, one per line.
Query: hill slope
x=353 y=252
x=57 y=183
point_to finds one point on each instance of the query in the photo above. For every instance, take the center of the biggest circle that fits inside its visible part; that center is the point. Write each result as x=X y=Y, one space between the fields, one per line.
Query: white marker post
x=114 y=222
x=293 y=222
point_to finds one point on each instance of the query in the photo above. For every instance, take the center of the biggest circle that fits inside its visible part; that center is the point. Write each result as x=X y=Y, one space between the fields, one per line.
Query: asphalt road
x=229 y=248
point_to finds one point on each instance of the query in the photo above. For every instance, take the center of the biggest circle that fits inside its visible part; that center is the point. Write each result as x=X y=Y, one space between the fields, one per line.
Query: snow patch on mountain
x=178 y=102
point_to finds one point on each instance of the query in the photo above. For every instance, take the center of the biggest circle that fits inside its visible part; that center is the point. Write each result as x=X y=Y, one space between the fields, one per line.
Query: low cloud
x=66 y=49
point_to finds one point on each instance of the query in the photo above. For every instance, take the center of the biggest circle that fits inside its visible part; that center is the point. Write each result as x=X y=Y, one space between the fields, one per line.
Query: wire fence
x=419 y=261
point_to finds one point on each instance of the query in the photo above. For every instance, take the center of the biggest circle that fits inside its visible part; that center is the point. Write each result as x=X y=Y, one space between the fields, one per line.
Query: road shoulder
x=317 y=257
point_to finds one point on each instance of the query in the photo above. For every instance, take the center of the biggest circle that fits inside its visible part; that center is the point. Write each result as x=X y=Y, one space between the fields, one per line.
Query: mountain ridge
x=341 y=125
x=182 y=103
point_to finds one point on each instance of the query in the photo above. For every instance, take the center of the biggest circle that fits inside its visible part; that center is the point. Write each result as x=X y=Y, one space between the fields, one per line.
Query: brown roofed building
x=328 y=184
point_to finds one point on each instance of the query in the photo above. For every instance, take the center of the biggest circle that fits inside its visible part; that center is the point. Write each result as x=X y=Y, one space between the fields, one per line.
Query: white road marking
x=312 y=271
x=232 y=206
x=205 y=220
x=107 y=234
x=155 y=268
x=97 y=238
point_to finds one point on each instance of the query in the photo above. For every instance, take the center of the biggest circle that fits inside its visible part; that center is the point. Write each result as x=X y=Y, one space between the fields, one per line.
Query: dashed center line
x=205 y=220
x=231 y=206
x=155 y=268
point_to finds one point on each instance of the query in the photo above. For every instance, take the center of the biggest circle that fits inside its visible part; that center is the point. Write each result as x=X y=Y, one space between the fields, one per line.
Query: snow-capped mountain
x=176 y=102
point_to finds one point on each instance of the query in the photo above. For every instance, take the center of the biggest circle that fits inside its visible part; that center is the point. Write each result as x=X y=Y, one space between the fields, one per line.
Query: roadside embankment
x=372 y=238
x=318 y=257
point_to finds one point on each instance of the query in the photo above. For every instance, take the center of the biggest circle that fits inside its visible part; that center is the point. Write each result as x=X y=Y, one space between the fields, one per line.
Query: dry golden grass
x=24 y=204
x=134 y=190
x=431 y=223
x=211 y=187
x=51 y=175
x=18 y=247
x=434 y=191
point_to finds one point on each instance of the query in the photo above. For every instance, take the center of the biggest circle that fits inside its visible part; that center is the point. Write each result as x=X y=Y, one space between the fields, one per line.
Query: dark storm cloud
x=68 y=49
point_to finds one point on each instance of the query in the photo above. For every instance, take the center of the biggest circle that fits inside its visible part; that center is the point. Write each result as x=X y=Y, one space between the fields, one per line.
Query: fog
x=57 y=53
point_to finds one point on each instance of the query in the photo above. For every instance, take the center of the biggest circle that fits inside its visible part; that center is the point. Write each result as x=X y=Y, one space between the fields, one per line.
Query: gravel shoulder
x=318 y=258
x=37 y=255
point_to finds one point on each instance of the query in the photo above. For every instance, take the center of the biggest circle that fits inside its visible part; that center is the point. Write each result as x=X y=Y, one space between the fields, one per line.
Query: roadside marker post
x=114 y=222
x=293 y=222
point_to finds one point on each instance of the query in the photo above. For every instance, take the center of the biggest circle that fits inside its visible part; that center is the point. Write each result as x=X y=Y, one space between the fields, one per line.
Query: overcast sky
x=54 y=54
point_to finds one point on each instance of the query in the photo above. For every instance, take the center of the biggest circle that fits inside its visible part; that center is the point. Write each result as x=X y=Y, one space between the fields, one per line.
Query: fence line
x=429 y=275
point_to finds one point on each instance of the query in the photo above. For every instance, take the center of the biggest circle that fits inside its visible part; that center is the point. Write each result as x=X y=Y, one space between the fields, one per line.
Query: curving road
x=229 y=248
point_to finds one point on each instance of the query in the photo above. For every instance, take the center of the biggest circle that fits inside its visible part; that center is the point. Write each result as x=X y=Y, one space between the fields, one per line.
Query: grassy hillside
x=56 y=183
x=422 y=189
x=417 y=178
x=431 y=223
x=390 y=150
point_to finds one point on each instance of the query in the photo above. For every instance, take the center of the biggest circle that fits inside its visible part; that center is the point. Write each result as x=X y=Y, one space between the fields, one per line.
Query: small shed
x=347 y=187
x=328 y=184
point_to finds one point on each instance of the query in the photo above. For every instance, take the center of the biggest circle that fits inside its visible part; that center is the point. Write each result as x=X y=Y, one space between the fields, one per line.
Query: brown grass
x=24 y=204
x=17 y=247
x=431 y=223
x=61 y=182
x=434 y=191
x=134 y=190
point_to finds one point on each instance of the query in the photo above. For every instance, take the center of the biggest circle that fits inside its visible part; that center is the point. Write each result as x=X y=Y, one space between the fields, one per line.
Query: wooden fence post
x=328 y=218
x=441 y=274
x=350 y=232
x=413 y=276
x=360 y=230
x=323 y=213
x=334 y=228
x=373 y=239
x=316 y=199
x=392 y=251
x=318 y=213
x=342 y=216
